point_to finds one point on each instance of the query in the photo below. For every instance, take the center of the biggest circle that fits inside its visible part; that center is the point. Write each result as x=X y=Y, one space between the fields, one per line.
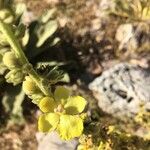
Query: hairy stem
x=16 y=48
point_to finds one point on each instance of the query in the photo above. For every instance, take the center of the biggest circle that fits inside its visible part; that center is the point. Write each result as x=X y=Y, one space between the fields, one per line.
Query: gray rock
x=52 y=141
x=121 y=89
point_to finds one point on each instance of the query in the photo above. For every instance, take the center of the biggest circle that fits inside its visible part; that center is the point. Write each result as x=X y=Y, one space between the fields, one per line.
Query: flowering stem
x=16 y=48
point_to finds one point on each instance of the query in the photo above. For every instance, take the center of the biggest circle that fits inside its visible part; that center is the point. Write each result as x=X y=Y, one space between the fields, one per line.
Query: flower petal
x=47 y=104
x=75 y=105
x=61 y=93
x=70 y=127
x=48 y=122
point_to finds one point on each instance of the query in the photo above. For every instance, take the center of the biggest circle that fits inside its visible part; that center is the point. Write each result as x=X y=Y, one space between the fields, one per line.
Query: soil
x=23 y=137
x=19 y=137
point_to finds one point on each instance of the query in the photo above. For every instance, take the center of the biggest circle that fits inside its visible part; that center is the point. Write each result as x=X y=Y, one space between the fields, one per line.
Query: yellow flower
x=62 y=113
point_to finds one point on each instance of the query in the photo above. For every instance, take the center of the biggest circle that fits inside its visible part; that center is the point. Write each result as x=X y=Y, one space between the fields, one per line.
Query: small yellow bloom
x=62 y=113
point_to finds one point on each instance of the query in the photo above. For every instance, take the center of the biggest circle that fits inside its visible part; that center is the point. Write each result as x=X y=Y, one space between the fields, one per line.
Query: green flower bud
x=32 y=90
x=30 y=87
x=14 y=76
x=10 y=60
x=6 y=16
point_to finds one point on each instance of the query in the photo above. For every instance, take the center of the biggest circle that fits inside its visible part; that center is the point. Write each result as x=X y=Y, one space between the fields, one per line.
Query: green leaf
x=17 y=106
x=20 y=8
x=65 y=78
x=20 y=30
x=70 y=127
x=26 y=37
x=3 y=68
x=46 y=31
x=47 y=15
x=48 y=122
x=75 y=105
x=55 y=41
x=61 y=93
x=47 y=104
x=12 y=102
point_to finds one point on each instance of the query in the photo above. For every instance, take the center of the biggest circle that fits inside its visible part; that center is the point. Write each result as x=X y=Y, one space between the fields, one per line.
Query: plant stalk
x=16 y=48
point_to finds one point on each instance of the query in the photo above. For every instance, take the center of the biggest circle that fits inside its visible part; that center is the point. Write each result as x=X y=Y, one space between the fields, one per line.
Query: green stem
x=6 y=30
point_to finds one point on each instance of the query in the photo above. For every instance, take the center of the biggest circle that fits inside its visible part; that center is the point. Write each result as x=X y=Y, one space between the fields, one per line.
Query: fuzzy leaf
x=65 y=78
x=26 y=37
x=20 y=8
x=45 y=32
x=47 y=15
x=12 y=102
x=70 y=127
x=55 y=41
x=75 y=105
x=48 y=122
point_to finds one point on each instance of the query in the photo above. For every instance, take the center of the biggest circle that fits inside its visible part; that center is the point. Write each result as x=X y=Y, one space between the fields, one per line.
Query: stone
x=51 y=141
x=121 y=90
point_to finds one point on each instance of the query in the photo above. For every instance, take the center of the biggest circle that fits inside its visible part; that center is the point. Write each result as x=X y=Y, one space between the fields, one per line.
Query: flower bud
x=6 y=16
x=10 y=60
x=30 y=87
x=14 y=76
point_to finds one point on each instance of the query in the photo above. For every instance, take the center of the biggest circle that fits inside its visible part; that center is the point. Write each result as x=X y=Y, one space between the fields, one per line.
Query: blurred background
x=102 y=49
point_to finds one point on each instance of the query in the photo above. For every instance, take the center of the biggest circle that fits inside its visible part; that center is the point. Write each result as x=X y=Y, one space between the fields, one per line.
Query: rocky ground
x=96 y=43
x=19 y=137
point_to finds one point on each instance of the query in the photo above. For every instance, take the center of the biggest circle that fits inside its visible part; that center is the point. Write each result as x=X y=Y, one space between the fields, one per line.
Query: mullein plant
x=61 y=111
x=35 y=37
